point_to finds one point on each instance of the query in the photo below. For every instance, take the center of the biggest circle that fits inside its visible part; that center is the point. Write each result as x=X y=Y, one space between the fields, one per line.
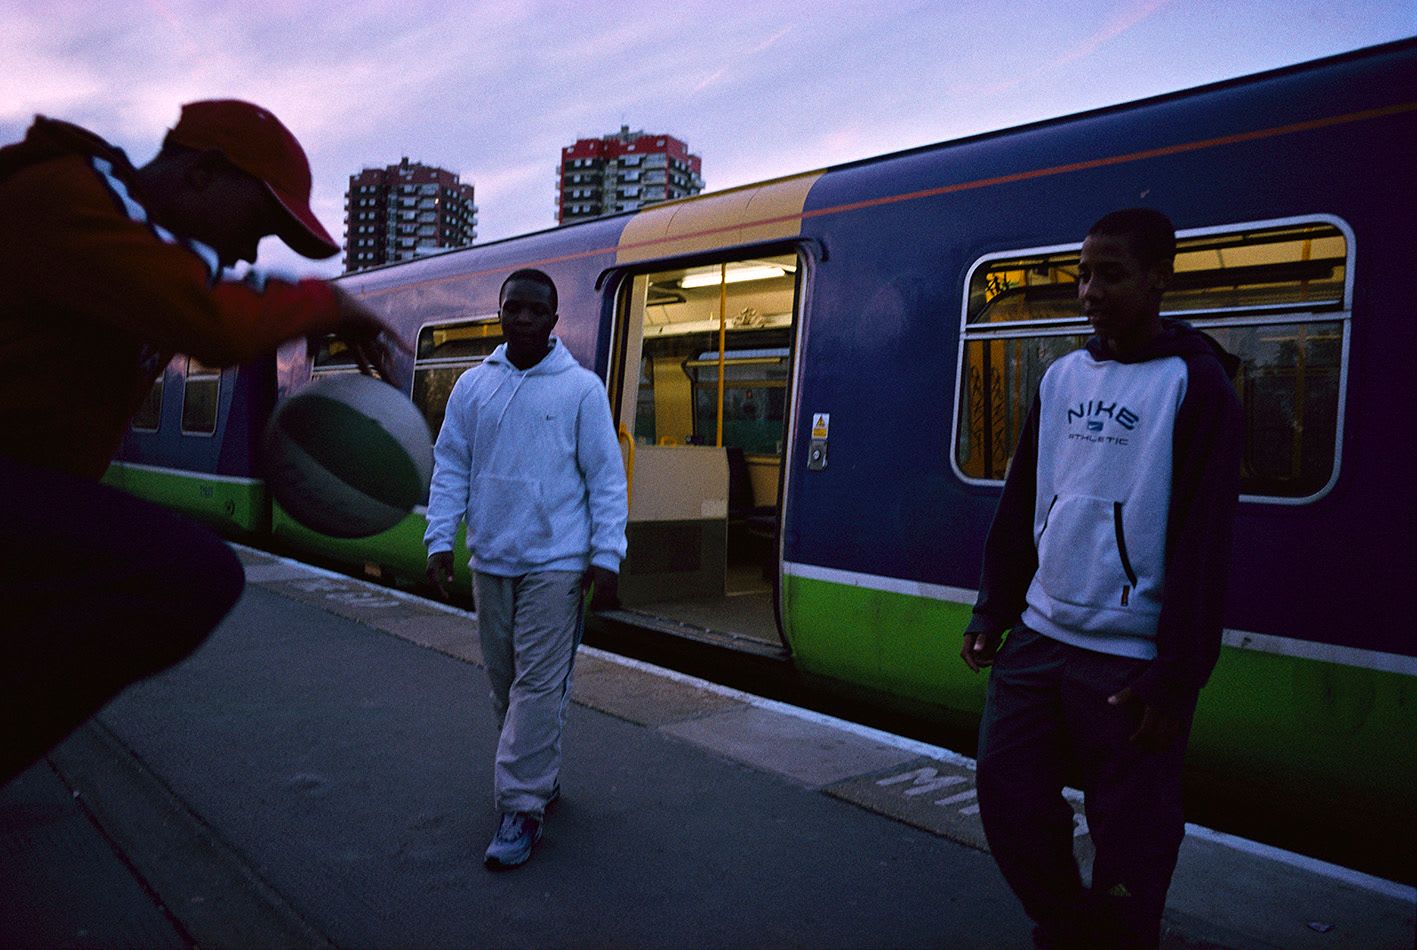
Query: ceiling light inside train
x=711 y=278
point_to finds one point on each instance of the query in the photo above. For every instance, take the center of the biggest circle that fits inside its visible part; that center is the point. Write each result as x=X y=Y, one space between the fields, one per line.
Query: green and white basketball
x=347 y=456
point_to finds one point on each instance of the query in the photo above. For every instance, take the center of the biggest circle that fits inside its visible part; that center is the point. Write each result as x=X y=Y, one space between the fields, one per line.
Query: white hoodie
x=529 y=459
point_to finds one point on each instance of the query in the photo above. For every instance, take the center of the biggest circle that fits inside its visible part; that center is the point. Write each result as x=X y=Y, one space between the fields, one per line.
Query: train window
x=1279 y=267
x=754 y=395
x=1274 y=295
x=149 y=414
x=469 y=339
x=1289 y=383
x=200 y=393
x=333 y=356
x=1000 y=377
x=444 y=353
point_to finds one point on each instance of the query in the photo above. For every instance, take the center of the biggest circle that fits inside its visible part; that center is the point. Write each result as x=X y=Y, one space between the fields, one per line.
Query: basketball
x=347 y=456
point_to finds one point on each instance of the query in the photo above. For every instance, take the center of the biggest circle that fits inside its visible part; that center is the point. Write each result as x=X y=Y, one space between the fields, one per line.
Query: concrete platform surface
x=319 y=774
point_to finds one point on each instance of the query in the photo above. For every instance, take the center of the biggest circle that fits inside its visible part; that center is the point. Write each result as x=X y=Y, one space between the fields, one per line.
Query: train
x=818 y=381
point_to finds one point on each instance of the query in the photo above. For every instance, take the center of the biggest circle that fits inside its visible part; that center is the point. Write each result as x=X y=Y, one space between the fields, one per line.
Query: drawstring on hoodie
x=555 y=361
x=508 y=404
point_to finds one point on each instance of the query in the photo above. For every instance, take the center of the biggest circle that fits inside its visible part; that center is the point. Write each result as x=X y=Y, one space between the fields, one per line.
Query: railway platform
x=318 y=774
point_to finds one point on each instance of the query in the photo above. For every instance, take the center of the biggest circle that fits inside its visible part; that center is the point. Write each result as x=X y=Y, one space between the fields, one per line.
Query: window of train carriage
x=1276 y=295
x=333 y=356
x=149 y=414
x=200 y=394
x=446 y=351
x=676 y=401
x=754 y=395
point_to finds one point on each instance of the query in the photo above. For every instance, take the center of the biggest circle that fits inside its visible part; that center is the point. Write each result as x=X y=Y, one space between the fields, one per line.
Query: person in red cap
x=106 y=271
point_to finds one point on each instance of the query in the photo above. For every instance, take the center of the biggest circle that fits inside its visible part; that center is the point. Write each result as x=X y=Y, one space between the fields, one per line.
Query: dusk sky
x=493 y=90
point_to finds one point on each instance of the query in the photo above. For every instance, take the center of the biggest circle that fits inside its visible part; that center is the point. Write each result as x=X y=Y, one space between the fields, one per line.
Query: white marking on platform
x=270 y=573
x=923 y=780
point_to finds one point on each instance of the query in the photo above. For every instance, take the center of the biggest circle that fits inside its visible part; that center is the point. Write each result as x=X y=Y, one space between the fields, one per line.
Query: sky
x=493 y=90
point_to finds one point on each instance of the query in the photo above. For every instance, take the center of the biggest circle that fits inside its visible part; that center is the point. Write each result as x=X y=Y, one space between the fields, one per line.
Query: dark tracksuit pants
x=97 y=590
x=1047 y=723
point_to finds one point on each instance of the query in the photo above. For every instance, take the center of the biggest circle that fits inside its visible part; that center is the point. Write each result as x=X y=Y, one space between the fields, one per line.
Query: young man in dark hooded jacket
x=1106 y=563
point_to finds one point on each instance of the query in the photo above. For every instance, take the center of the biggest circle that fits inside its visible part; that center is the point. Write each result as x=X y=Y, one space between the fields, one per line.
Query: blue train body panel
x=891 y=293
x=462 y=284
x=245 y=396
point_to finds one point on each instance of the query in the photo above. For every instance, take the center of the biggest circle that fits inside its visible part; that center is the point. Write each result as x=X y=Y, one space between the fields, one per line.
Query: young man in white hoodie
x=528 y=458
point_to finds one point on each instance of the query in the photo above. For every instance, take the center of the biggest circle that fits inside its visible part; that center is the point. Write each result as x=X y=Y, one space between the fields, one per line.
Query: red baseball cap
x=255 y=141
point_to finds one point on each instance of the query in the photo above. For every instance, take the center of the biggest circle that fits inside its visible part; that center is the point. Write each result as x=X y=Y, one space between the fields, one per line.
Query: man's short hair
x=1150 y=233
x=533 y=275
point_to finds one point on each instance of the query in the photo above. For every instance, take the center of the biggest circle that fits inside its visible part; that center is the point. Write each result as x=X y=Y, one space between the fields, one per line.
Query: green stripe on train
x=398 y=550
x=1269 y=720
x=235 y=508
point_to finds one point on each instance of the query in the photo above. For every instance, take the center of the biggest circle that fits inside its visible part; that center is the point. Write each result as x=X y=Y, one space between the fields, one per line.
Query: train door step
x=719 y=638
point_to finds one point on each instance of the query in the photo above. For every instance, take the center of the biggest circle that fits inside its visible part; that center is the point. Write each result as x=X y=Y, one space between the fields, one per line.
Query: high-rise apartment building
x=405 y=210
x=621 y=172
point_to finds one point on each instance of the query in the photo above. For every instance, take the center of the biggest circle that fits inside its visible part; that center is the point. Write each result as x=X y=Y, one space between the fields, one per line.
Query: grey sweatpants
x=530 y=627
x=1047 y=721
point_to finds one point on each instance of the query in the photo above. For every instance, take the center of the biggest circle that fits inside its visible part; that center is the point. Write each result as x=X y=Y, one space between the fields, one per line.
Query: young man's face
x=527 y=315
x=1120 y=296
x=231 y=212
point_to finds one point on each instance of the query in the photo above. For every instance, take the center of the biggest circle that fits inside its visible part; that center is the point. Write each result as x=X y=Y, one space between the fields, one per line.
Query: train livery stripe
x=1238 y=639
x=1126 y=158
x=230 y=503
x=185 y=473
x=895 y=585
x=748 y=215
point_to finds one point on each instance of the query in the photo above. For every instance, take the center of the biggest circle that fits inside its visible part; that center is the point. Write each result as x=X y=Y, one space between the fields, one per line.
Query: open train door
x=701 y=386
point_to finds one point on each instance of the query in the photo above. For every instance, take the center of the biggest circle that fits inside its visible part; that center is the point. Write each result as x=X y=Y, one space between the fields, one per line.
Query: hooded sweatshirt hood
x=1177 y=338
x=511 y=378
x=49 y=139
x=558 y=359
